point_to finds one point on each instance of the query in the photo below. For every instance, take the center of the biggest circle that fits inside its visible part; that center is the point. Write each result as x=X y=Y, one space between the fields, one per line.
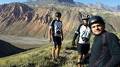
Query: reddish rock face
x=20 y=19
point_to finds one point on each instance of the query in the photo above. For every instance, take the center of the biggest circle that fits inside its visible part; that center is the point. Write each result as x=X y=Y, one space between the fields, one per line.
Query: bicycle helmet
x=85 y=17
x=96 y=19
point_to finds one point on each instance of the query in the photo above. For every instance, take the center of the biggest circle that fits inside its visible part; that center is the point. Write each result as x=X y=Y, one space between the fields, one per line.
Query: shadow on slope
x=7 y=49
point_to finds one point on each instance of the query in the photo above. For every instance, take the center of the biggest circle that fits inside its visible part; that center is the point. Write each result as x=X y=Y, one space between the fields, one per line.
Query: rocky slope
x=36 y=3
x=20 y=19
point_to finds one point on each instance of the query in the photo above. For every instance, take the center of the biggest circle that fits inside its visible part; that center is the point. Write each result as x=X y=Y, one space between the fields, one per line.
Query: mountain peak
x=14 y=11
x=52 y=1
x=49 y=2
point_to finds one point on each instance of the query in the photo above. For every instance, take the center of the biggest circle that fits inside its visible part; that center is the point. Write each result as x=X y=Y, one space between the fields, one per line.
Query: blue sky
x=106 y=2
x=8 y=1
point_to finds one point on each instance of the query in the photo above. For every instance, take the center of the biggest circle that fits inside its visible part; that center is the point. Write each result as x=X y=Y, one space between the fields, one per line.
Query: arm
x=74 y=37
x=50 y=34
x=76 y=33
x=62 y=34
x=114 y=47
x=50 y=30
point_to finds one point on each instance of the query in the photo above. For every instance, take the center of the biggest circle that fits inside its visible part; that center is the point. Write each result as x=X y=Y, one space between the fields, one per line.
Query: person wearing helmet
x=83 y=45
x=105 y=51
x=55 y=34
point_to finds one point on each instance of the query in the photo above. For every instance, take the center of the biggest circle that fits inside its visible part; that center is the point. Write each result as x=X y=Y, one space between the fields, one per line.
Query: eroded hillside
x=20 y=19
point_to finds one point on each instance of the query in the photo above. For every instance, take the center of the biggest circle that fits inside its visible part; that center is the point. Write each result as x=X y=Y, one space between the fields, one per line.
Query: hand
x=50 y=39
x=73 y=43
x=85 y=39
x=62 y=38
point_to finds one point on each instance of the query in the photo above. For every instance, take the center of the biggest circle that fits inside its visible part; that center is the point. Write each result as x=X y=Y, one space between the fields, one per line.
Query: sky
x=9 y=1
x=106 y=2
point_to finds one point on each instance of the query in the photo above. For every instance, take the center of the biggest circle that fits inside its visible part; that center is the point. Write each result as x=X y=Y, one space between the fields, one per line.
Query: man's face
x=58 y=17
x=97 y=28
x=85 y=22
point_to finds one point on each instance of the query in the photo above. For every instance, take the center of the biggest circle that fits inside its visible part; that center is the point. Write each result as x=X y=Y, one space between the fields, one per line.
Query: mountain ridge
x=22 y=20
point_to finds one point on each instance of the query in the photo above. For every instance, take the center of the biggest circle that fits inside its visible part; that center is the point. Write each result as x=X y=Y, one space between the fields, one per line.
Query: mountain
x=50 y=2
x=15 y=11
x=22 y=20
x=31 y=22
x=118 y=7
x=105 y=7
x=36 y=3
x=80 y=4
x=12 y=13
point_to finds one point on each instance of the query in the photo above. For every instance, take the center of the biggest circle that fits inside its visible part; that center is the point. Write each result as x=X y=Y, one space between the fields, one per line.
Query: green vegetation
x=41 y=57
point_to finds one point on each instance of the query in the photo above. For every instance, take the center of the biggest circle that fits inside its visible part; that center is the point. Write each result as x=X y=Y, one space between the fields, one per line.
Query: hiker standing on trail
x=105 y=51
x=56 y=35
x=83 y=45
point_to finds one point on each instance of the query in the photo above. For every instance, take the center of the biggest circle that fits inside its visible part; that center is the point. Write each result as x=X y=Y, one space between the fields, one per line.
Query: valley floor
x=24 y=42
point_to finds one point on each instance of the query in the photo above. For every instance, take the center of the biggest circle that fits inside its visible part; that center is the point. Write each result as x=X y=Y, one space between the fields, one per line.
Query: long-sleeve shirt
x=105 y=54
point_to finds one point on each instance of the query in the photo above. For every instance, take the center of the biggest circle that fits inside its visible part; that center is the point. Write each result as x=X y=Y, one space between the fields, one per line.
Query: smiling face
x=97 y=28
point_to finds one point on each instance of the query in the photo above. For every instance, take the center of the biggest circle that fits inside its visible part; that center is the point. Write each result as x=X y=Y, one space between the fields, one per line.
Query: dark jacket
x=105 y=54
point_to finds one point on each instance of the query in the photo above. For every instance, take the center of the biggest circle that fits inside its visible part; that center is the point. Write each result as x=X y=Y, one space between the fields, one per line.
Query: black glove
x=85 y=39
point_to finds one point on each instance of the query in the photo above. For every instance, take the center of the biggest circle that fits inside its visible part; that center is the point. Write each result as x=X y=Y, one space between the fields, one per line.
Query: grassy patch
x=41 y=57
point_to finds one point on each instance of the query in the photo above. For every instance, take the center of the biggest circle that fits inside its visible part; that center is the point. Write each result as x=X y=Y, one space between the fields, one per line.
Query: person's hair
x=96 y=19
x=58 y=14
